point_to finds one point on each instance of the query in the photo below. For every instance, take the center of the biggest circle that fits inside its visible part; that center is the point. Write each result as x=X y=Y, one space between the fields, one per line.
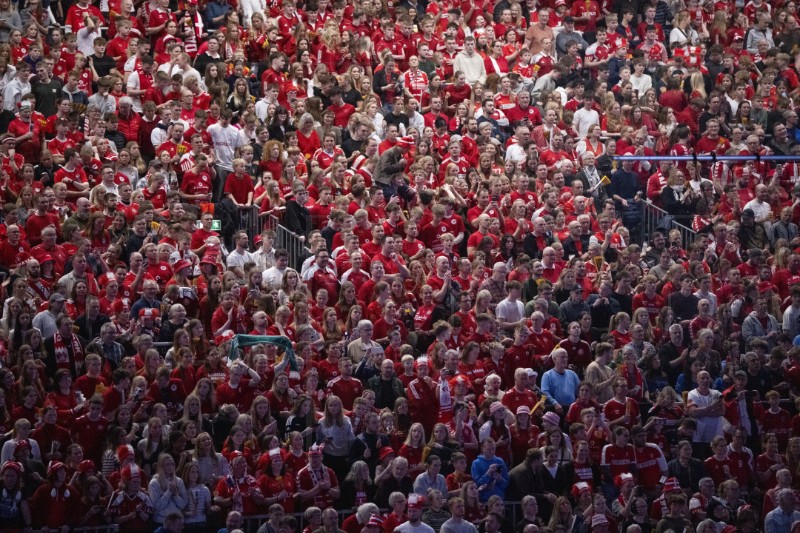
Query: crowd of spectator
x=485 y=338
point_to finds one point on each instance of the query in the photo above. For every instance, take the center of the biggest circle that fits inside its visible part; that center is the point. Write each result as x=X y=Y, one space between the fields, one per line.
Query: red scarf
x=62 y=352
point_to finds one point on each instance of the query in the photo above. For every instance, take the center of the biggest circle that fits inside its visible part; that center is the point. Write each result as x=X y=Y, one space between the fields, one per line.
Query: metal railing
x=651 y=217
x=289 y=241
x=513 y=509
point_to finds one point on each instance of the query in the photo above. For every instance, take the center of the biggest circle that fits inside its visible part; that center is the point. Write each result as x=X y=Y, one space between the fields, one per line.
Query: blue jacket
x=489 y=485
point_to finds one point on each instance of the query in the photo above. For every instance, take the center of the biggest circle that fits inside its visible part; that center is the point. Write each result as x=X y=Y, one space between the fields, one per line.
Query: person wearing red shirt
x=196 y=184
x=238 y=390
x=621 y=410
x=238 y=490
x=89 y=430
x=423 y=402
x=28 y=133
x=341 y=110
x=619 y=457
x=157 y=22
x=326 y=155
x=344 y=385
x=651 y=466
x=72 y=174
x=649 y=298
x=76 y=16
x=317 y=484
x=238 y=185
x=519 y=395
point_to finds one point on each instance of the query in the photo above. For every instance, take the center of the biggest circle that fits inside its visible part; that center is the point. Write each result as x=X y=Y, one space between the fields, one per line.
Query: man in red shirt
x=72 y=174
x=324 y=276
x=344 y=385
x=621 y=410
x=239 y=390
x=196 y=182
x=422 y=401
x=651 y=466
x=40 y=219
x=340 y=109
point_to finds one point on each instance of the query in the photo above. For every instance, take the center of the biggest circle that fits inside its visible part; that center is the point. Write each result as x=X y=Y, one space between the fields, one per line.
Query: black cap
x=569 y=19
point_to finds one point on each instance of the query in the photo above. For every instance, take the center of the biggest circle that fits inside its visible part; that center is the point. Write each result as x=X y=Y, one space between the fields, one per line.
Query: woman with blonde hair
x=336 y=431
x=211 y=464
x=166 y=490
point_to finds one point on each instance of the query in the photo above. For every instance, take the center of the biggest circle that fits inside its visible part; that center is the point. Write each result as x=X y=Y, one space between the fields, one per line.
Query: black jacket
x=297 y=218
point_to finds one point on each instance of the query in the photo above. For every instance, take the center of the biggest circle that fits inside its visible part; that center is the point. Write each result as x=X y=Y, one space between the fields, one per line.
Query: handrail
x=652 y=215
x=293 y=243
x=712 y=157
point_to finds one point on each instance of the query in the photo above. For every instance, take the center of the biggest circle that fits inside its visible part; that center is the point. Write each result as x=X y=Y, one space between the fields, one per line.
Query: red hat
x=258 y=239
x=793 y=280
x=13 y=465
x=266 y=458
x=208 y=259
x=375 y=520
x=219 y=340
x=422 y=361
x=385 y=452
x=580 y=487
x=23 y=445
x=560 y=3
x=621 y=479
x=738 y=38
x=54 y=467
x=123 y=304
x=671 y=485
x=86 y=465
x=124 y=452
x=148 y=313
x=459 y=380
x=415 y=501
x=316 y=449
x=180 y=265
x=130 y=471
x=45 y=258
x=407 y=141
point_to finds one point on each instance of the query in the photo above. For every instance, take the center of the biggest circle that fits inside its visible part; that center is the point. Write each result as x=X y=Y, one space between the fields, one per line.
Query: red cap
x=180 y=265
x=316 y=449
x=23 y=445
x=54 y=467
x=13 y=465
x=385 y=452
x=578 y=488
x=407 y=141
x=86 y=465
x=621 y=479
x=415 y=501
x=671 y=485
x=130 y=471
x=209 y=260
x=123 y=304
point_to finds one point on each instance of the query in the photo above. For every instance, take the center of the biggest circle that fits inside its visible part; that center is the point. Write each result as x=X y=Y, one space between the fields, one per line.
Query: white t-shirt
x=225 y=140
x=584 y=118
x=406 y=527
x=135 y=84
x=235 y=259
